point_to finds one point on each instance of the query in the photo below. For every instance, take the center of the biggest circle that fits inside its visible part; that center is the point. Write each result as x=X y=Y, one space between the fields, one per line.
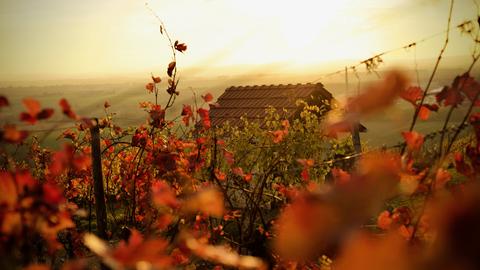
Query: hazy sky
x=88 y=38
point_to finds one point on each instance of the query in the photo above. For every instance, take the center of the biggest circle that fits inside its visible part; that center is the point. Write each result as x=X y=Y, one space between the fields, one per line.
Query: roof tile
x=251 y=101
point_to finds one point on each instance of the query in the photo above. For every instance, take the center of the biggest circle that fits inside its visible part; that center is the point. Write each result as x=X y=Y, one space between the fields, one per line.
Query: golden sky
x=49 y=39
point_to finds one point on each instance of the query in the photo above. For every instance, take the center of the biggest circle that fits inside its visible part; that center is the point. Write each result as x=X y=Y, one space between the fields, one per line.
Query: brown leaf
x=181 y=47
x=379 y=95
x=156 y=79
x=170 y=68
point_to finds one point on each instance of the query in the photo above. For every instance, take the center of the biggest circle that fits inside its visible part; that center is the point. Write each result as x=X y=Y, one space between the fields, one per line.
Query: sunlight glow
x=90 y=38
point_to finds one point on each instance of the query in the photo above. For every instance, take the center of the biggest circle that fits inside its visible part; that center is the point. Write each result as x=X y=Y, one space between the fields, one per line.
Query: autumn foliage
x=279 y=194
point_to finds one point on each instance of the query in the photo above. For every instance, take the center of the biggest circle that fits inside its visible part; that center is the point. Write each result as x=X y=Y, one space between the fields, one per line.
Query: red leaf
x=26 y=117
x=34 y=112
x=305 y=175
x=248 y=177
x=413 y=139
x=449 y=96
x=220 y=175
x=452 y=96
x=67 y=110
x=205 y=116
x=187 y=114
x=82 y=162
x=207 y=97
x=45 y=114
x=4 y=102
x=471 y=88
x=52 y=194
x=412 y=94
x=170 y=68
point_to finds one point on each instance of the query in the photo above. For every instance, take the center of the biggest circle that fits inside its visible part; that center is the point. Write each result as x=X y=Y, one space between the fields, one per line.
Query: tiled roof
x=251 y=101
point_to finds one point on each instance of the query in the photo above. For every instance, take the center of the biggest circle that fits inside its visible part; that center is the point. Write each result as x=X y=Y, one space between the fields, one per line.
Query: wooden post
x=100 y=207
x=356 y=129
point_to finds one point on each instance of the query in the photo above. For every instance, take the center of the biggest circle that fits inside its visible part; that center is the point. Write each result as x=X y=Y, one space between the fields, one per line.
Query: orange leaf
x=164 y=195
x=12 y=135
x=248 y=177
x=208 y=201
x=37 y=267
x=8 y=196
x=366 y=251
x=384 y=221
x=304 y=228
x=150 y=87
x=220 y=175
x=277 y=135
x=423 y=113
x=413 y=139
x=32 y=106
x=156 y=79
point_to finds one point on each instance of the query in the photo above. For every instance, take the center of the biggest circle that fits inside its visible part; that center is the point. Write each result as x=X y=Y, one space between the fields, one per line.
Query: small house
x=251 y=101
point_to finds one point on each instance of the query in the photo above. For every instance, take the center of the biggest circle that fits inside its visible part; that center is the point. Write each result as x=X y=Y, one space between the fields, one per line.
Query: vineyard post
x=101 y=210
x=356 y=129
